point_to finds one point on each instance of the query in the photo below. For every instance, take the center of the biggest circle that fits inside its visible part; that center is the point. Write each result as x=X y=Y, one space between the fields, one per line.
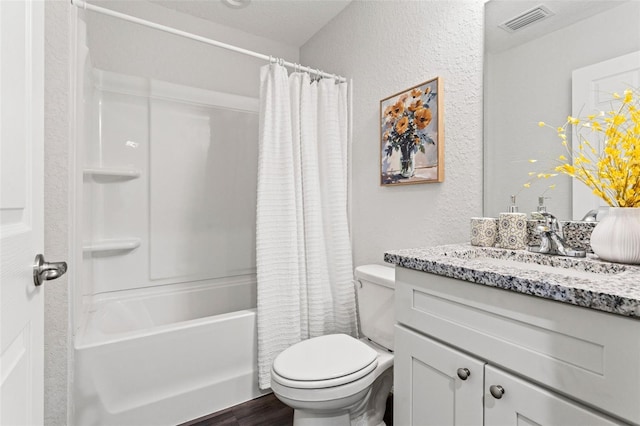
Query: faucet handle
x=543 y=228
x=552 y=222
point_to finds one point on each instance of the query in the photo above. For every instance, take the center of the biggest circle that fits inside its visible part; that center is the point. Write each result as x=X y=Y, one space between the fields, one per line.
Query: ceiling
x=565 y=14
x=292 y=22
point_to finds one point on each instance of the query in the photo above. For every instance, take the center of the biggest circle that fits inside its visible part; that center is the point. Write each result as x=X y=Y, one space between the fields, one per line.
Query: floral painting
x=411 y=135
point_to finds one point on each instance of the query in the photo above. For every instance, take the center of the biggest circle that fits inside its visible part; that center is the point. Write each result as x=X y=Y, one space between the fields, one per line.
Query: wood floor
x=263 y=411
x=266 y=410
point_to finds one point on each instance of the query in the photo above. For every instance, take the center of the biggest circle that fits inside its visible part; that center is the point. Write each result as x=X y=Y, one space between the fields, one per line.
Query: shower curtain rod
x=87 y=6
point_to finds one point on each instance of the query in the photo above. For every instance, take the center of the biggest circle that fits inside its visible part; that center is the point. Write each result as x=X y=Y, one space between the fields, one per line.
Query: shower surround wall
x=387 y=46
x=168 y=228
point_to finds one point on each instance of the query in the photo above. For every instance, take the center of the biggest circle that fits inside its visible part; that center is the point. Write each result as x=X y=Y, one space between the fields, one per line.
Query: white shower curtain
x=303 y=250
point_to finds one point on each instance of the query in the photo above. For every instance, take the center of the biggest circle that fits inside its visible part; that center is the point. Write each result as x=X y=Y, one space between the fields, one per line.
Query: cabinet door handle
x=496 y=391
x=463 y=373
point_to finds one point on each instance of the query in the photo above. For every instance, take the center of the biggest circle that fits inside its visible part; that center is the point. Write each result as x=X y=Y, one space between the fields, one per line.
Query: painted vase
x=407 y=164
x=616 y=237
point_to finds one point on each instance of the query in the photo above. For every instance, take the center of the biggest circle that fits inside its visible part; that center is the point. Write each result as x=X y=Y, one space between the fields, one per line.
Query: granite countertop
x=587 y=282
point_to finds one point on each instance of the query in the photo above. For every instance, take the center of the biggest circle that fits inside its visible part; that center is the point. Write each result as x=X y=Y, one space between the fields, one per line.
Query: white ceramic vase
x=616 y=238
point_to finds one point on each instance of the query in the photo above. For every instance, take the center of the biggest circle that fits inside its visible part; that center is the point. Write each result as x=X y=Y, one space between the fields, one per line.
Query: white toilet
x=337 y=379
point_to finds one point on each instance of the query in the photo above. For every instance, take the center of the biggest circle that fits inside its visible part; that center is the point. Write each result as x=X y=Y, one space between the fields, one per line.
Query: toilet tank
x=375 y=288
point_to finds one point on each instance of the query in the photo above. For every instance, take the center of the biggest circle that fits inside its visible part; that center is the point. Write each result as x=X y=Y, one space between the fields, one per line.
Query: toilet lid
x=324 y=358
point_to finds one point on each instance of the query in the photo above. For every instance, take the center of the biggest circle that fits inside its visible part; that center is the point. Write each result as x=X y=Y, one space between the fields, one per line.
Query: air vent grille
x=536 y=14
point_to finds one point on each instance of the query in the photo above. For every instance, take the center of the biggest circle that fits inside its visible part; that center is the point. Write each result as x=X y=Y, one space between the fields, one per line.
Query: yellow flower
x=628 y=96
x=416 y=93
x=541 y=123
x=606 y=156
x=402 y=125
x=423 y=117
x=618 y=119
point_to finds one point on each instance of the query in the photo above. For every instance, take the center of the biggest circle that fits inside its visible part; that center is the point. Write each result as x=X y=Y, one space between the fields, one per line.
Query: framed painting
x=412 y=135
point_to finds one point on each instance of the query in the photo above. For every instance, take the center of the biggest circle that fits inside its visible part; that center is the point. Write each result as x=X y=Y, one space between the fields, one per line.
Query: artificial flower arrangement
x=607 y=157
x=404 y=126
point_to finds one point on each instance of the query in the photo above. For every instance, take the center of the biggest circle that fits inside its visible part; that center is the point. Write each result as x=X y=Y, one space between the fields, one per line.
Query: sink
x=530 y=261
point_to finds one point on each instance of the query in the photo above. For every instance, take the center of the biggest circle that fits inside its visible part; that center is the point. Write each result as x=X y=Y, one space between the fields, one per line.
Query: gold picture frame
x=412 y=135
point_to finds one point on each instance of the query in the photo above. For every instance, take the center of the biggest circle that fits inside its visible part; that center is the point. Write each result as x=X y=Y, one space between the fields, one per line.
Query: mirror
x=527 y=79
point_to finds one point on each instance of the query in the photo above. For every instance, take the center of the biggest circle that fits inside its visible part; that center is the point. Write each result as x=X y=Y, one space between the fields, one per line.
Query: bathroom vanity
x=494 y=337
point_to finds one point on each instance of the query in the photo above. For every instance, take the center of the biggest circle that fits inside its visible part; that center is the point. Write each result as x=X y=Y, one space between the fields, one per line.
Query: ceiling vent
x=527 y=18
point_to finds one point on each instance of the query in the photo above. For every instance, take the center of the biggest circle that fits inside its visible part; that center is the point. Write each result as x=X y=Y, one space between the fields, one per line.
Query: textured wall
x=56 y=205
x=386 y=47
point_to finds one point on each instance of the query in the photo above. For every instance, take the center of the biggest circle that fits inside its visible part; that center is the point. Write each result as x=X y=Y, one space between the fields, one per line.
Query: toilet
x=338 y=380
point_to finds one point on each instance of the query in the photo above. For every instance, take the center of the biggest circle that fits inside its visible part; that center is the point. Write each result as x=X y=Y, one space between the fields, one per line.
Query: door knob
x=44 y=271
x=496 y=391
x=463 y=373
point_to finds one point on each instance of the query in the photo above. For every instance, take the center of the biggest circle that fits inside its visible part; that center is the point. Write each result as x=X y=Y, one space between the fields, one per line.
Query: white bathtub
x=167 y=356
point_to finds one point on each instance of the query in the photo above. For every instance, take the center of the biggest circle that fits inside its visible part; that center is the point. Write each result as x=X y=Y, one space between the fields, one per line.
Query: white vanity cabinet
x=557 y=364
x=427 y=388
x=527 y=404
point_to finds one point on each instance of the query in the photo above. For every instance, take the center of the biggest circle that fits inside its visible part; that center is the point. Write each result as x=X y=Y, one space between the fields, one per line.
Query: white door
x=21 y=210
x=434 y=384
x=518 y=402
x=592 y=87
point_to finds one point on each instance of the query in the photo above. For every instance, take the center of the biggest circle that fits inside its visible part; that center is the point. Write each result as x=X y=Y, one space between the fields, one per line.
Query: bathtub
x=165 y=356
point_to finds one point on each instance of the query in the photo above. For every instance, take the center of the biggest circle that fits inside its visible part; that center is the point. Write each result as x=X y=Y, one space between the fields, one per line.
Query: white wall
x=532 y=83
x=386 y=47
x=126 y=48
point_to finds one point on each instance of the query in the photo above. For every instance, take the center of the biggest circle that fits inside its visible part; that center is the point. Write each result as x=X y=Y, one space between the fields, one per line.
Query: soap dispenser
x=537 y=215
x=512 y=228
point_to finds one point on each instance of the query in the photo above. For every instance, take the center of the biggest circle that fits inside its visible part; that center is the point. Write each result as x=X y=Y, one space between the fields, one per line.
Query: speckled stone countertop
x=587 y=282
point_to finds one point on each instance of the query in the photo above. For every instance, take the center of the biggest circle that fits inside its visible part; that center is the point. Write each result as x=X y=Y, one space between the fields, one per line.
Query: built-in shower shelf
x=121 y=244
x=107 y=172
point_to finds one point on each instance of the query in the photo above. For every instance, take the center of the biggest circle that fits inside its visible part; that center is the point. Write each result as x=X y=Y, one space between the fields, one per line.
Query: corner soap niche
x=113 y=246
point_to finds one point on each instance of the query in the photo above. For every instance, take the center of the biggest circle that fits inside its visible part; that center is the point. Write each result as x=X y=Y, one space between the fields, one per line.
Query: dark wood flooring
x=264 y=411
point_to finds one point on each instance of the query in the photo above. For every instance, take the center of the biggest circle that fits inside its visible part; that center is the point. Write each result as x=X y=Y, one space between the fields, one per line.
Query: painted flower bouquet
x=404 y=127
x=606 y=156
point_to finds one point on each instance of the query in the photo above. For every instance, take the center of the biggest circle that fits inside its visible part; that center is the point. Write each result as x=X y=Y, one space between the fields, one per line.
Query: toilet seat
x=323 y=362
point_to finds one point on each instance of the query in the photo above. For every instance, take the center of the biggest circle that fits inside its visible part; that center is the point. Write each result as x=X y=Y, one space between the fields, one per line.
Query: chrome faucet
x=551 y=240
x=591 y=216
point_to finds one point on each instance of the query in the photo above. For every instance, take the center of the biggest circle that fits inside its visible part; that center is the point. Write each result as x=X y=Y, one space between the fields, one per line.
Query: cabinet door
x=427 y=388
x=524 y=403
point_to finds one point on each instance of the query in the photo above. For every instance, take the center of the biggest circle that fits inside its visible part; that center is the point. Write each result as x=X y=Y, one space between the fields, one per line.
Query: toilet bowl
x=338 y=380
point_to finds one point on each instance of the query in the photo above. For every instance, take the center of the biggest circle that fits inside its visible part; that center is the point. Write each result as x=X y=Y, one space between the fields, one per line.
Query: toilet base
x=365 y=408
x=306 y=418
